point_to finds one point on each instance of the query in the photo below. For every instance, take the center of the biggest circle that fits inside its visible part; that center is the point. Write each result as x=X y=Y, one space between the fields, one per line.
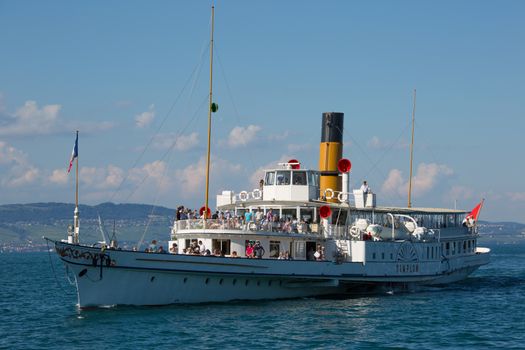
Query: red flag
x=475 y=212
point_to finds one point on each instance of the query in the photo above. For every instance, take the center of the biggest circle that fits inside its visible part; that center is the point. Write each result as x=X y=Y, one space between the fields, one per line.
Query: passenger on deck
x=248 y=216
x=249 y=250
x=258 y=250
x=202 y=247
x=161 y=250
x=174 y=248
x=259 y=215
x=269 y=215
x=364 y=187
x=318 y=253
x=234 y=254
x=153 y=246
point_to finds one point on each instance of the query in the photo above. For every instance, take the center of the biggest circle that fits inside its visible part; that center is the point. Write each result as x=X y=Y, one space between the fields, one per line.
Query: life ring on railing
x=329 y=193
x=257 y=194
x=354 y=231
x=342 y=196
x=243 y=196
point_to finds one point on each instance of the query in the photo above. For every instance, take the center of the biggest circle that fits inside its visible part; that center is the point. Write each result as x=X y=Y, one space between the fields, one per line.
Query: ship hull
x=117 y=277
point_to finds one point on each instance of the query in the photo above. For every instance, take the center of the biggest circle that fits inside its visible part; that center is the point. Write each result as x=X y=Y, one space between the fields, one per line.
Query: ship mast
x=211 y=108
x=411 y=153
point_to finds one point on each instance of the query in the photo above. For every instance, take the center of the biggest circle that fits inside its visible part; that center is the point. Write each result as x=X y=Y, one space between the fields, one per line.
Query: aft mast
x=411 y=153
x=212 y=107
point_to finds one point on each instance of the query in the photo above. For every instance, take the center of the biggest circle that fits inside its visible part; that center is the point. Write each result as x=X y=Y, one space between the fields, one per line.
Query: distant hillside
x=23 y=224
x=48 y=213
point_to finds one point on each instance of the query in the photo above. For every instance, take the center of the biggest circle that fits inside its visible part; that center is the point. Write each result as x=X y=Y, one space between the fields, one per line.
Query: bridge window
x=283 y=177
x=299 y=178
x=270 y=179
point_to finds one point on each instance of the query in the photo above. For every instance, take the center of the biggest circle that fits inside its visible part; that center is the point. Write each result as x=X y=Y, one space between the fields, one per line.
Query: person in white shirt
x=202 y=247
x=364 y=187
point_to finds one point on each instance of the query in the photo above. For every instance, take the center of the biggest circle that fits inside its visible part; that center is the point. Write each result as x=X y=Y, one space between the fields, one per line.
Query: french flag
x=74 y=154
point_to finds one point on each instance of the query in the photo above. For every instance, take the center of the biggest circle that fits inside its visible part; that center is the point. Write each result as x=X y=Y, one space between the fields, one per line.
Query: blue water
x=485 y=311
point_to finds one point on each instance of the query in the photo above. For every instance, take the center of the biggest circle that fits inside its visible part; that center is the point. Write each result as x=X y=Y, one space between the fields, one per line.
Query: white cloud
x=145 y=118
x=58 y=176
x=428 y=174
x=460 y=193
x=109 y=177
x=191 y=180
x=241 y=136
x=31 y=120
x=394 y=182
x=179 y=143
x=18 y=170
x=154 y=173
x=425 y=179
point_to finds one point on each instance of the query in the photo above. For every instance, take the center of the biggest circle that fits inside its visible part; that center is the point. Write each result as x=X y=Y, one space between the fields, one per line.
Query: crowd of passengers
x=256 y=221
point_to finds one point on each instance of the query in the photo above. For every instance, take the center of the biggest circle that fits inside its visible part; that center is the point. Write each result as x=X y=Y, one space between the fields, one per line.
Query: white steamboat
x=319 y=238
x=316 y=241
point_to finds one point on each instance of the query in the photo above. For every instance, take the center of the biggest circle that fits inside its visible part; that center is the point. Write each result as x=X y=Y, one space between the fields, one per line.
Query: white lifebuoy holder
x=354 y=231
x=257 y=194
x=342 y=196
x=243 y=196
x=329 y=193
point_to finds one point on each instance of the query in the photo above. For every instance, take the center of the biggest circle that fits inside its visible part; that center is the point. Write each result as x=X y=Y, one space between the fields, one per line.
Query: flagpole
x=76 y=180
x=76 y=216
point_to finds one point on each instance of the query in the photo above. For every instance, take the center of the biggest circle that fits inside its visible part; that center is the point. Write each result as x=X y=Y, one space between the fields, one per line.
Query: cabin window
x=283 y=177
x=222 y=245
x=275 y=249
x=383 y=256
x=270 y=179
x=373 y=256
x=447 y=249
x=299 y=178
x=300 y=250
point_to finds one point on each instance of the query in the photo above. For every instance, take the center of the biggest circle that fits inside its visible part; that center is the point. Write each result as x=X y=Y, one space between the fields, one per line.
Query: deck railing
x=332 y=231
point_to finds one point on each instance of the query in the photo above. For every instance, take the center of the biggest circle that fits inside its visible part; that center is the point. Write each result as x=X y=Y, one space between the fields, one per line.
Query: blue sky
x=132 y=76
